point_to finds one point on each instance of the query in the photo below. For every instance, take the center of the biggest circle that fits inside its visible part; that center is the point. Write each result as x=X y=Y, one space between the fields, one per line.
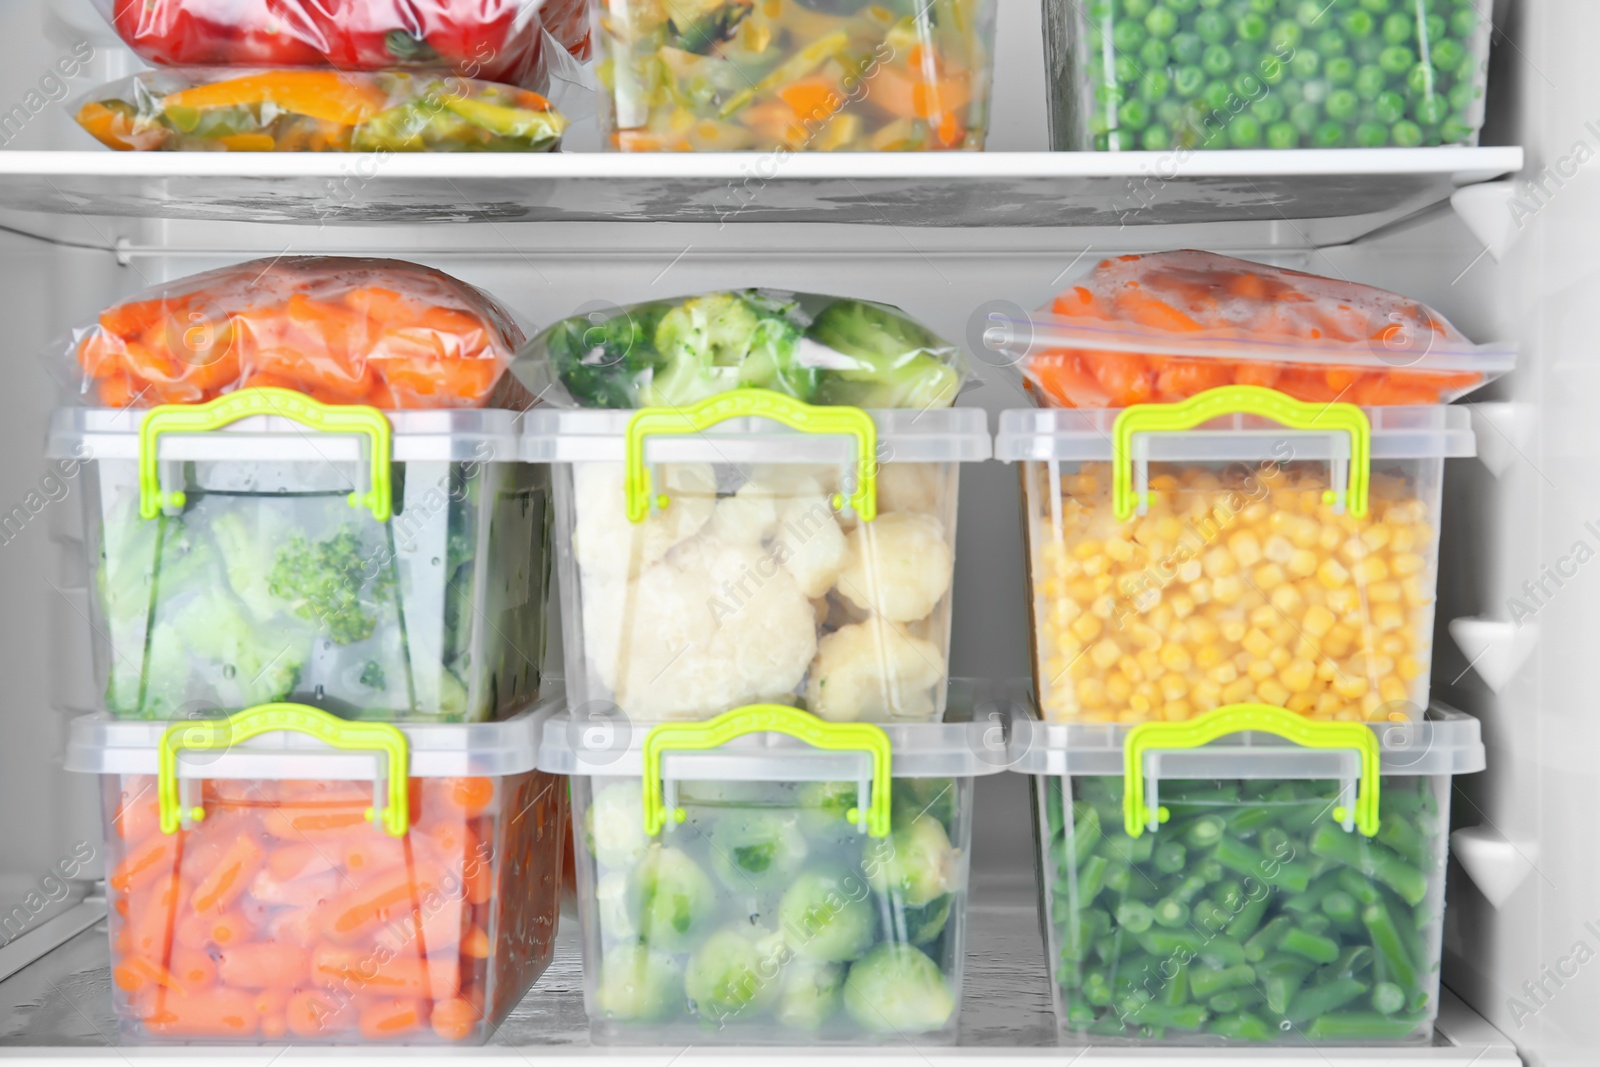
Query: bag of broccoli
x=819 y=349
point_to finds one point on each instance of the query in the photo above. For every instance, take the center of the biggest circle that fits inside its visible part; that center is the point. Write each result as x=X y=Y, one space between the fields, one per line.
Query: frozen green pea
x=1342 y=104
x=1272 y=70
x=1154 y=86
x=1263 y=7
x=1455 y=131
x=1245 y=54
x=1434 y=26
x=1186 y=47
x=1251 y=27
x=1358 y=23
x=1286 y=36
x=1316 y=92
x=1331 y=43
x=1377 y=7
x=1188 y=81
x=1328 y=135
x=1311 y=13
x=1248 y=86
x=1212 y=26
x=1126 y=69
x=1137 y=9
x=1283 y=135
x=1157 y=138
x=1341 y=70
x=1398 y=28
x=1215 y=95
x=1368 y=49
x=1305 y=64
x=1389 y=107
x=1182 y=7
x=1269 y=109
x=1216 y=60
x=1127 y=35
x=1420 y=79
x=1432 y=109
x=897 y=989
x=1161 y=22
x=1396 y=59
x=1370 y=82
x=1464 y=21
x=1372 y=135
x=1448 y=53
x=1154 y=54
x=1169 y=113
x=1469 y=69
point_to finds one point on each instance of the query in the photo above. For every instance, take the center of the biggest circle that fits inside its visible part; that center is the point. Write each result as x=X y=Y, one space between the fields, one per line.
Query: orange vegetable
x=390 y=1019
x=209 y=1013
x=226 y=882
x=816 y=98
x=470 y=795
x=376 y=900
x=476 y=944
x=317 y=1015
x=375 y=852
x=263 y=965
x=319 y=94
x=288 y=862
x=145 y=862
x=300 y=826
x=366 y=971
x=909 y=93
x=455 y=1019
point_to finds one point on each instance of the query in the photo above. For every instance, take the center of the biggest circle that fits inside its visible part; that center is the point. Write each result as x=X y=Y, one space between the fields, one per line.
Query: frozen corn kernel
x=1268 y=577
x=1300 y=703
x=1174 y=657
x=1405 y=540
x=1387 y=618
x=1207 y=656
x=1246 y=548
x=1118 y=690
x=1376 y=537
x=1370 y=570
x=1278 y=549
x=1190 y=571
x=1233 y=630
x=1279 y=658
x=1409 y=668
x=1317 y=620
x=1302 y=563
x=1086 y=627
x=1260 y=670
x=1091 y=692
x=1225 y=674
x=1344 y=600
x=1298 y=676
x=1332 y=573
x=1405 y=564
x=1286 y=599
x=1384 y=593
x=1257 y=643
x=1264 y=617
x=1328 y=703
x=1239 y=691
x=1106 y=654
x=1118 y=549
x=1272 y=692
x=1350 y=686
x=1173 y=686
x=1182 y=605
x=1392 y=690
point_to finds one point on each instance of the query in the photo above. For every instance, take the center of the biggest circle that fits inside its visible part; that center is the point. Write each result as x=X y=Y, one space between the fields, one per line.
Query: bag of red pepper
x=490 y=40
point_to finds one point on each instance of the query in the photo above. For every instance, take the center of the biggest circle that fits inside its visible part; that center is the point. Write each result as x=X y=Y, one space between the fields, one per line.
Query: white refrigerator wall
x=1506 y=520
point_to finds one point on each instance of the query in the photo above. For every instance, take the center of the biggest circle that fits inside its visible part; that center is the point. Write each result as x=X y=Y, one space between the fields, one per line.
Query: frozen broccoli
x=810 y=994
x=672 y=899
x=914 y=865
x=614 y=825
x=898 y=989
x=710 y=344
x=246 y=546
x=734 y=973
x=327 y=584
x=756 y=850
x=600 y=363
x=896 y=363
x=827 y=916
x=258 y=664
x=638 y=984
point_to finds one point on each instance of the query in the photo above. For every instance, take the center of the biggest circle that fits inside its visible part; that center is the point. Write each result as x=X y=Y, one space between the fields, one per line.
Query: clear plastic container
x=1249 y=878
x=287 y=877
x=1126 y=74
x=229 y=568
x=795 y=75
x=1183 y=557
x=1162 y=327
x=760 y=565
x=730 y=893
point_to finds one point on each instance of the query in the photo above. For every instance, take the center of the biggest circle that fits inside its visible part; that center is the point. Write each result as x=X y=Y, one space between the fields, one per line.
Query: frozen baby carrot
x=263 y=965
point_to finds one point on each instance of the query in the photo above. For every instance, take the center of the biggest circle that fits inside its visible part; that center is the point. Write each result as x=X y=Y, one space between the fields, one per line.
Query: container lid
x=485 y=435
x=598 y=739
x=99 y=744
x=1445 y=742
x=596 y=435
x=1087 y=434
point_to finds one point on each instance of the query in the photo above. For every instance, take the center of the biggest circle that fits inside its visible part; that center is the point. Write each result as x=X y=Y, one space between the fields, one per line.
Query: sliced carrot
x=1077 y=302
x=1258 y=373
x=907 y=92
x=386 y=1019
x=100 y=355
x=136 y=317
x=1179 y=379
x=145 y=862
x=423 y=383
x=264 y=965
x=1139 y=307
x=227 y=881
x=248 y=142
x=1125 y=377
x=320 y=94
x=816 y=97
x=385 y=305
x=116 y=392
x=455 y=1019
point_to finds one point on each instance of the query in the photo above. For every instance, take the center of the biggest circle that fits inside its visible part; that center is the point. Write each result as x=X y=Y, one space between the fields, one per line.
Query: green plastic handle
x=758 y=403
x=1240 y=400
x=763 y=719
x=1203 y=729
x=266 y=400
x=220 y=734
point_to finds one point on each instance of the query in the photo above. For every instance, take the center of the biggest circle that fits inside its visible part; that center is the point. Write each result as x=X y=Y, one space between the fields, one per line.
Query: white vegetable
x=874 y=671
x=615 y=825
x=911 y=487
x=899 y=566
x=607 y=544
x=810 y=544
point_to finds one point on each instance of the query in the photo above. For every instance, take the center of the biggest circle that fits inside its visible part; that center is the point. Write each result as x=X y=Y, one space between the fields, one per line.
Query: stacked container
x=767 y=877
x=282 y=875
x=1250 y=876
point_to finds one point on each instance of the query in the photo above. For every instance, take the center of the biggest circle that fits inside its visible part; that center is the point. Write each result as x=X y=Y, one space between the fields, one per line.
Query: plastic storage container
x=748 y=549
x=852 y=75
x=767 y=877
x=1249 y=877
x=284 y=876
x=1237 y=547
x=1130 y=74
x=265 y=547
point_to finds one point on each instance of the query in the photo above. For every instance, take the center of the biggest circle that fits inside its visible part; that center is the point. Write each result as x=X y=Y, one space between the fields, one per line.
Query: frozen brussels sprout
x=824 y=806
x=810 y=994
x=614 y=825
x=672 y=899
x=925 y=796
x=735 y=972
x=757 y=850
x=914 y=865
x=611 y=898
x=897 y=989
x=827 y=916
x=638 y=984
x=921 y=925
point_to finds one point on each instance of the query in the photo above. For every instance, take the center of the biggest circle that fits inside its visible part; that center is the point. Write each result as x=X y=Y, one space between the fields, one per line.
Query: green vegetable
x=810 y=995
x=1371 y=859
x=826 y=916
x=897 y=989
x=734 y=973
x=753 y=849
x=638 y=984
x=671 y=897
x=914 y=865
x=326 y=583
x=614 y=825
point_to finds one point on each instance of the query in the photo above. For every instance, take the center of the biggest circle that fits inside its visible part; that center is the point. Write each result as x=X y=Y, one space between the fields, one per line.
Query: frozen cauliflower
x=810 y=545
x=711 y=627
x=911 y=487
x=899 y=566
x=606 y=543
x=874 y=671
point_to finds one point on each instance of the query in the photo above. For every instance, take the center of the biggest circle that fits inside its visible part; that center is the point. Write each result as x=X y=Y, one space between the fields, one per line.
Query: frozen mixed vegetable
x=1239 y=585
x=1251 y=916
x=286 y=915
x=1175 y=74
x=766 y=908
x=227 y=110
x=343 y=331
x=817 y=75
x=269 y=587
x=497 y=40
x=820 y=349
x=1162 y=327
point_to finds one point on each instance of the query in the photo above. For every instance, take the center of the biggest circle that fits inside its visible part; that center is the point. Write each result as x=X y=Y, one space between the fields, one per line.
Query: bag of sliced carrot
x=1163 y=327
x=382 y=332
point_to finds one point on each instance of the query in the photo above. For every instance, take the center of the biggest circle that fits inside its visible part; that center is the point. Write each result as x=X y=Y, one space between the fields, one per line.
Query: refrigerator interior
x=1509 y=261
